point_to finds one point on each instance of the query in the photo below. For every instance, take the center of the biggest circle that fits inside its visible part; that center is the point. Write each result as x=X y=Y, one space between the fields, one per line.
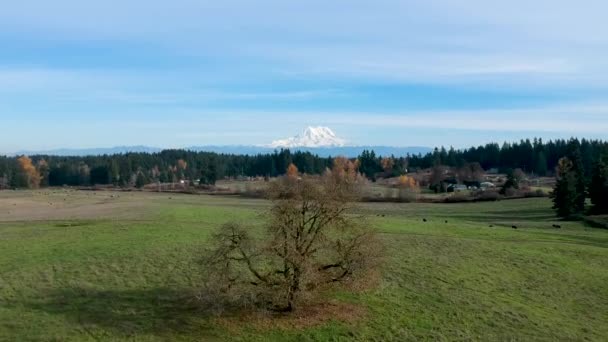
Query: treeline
x=533 y=156
x=140 y=168
x=136 y=169
x=576 y=183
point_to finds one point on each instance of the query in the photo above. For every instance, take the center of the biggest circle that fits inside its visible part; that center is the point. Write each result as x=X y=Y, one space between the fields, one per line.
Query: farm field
x=87 y=266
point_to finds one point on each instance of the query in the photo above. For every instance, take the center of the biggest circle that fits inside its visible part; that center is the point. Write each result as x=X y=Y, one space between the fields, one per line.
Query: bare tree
x=470 y=172
x=437 y=177
x=311 y=241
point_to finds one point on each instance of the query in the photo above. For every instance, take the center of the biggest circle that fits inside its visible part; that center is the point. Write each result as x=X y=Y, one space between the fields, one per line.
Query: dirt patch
x=65 y=205
x=368 y=282
x=312 y=315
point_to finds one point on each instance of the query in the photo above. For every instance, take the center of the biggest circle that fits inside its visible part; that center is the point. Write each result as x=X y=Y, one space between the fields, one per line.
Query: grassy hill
x=125 y=266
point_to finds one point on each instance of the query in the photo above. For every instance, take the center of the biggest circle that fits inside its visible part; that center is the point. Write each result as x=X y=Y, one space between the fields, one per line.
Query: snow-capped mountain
x=311 y=137
x=321 y=141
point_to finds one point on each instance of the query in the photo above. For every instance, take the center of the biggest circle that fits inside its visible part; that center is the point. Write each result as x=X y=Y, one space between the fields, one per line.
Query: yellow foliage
x=30 y=172
x=387 y=164
x=407 y=182
x=182 y=164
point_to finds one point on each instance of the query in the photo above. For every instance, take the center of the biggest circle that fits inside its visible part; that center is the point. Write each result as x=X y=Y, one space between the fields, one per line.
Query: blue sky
x=435 y=72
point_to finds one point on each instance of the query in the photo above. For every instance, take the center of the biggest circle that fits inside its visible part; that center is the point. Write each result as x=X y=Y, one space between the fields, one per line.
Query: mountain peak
x=311 y=137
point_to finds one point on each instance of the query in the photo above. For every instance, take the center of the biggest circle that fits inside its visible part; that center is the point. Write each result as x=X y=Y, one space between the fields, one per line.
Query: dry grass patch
x=308 y=316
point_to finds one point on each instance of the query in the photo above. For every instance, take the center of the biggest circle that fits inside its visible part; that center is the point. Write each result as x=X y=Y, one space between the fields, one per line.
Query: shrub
x=487 y=195
x=535 y=193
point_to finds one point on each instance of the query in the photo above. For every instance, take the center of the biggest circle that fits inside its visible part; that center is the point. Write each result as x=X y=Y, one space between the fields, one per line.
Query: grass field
x=124 y=266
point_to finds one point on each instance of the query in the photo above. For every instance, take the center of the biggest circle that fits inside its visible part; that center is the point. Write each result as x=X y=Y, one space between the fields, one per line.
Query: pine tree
x=541 y=164
x=598 y=189
x=512 y=182
x=18 y=179
x=568 y=198
x=114 y=172
x=369 y=164
x=580 y=172
x=140 y=181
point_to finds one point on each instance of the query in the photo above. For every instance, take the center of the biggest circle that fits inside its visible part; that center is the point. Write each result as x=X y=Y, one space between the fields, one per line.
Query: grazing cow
x=423 y=220
x=514 y=227
x=491 y=226
x=557 y=226
x=446 y=221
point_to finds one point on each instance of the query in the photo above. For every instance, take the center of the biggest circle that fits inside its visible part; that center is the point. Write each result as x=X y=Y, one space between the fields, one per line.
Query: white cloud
x=435 y=40
x=579 y=119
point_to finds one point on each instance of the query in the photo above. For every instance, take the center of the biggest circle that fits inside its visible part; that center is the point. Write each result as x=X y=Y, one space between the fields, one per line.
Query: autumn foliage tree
x=181 y=167
x=408 y=188
x=312 y=241
x=29 y=173
x=292 y=171
x=388 y=164
x=43 y=171
x=407 y=182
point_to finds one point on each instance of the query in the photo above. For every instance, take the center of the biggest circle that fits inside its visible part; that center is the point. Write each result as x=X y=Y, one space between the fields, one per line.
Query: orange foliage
x=182 y=164
x=407 y=182
x=30 y=172
x=387 y=164
x=344 y=168
x=292 y=171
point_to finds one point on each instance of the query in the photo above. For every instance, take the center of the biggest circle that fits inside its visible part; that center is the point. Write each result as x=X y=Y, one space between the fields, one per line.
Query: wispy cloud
x=533 y=121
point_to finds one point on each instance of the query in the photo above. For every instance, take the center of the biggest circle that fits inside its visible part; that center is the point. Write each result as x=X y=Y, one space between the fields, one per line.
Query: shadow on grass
x=130 y=312
x=519 y=214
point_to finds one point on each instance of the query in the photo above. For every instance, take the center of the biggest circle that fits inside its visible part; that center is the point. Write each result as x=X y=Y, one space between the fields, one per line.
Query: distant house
x=487 y=185
x=472 y=185
x=457 y=188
